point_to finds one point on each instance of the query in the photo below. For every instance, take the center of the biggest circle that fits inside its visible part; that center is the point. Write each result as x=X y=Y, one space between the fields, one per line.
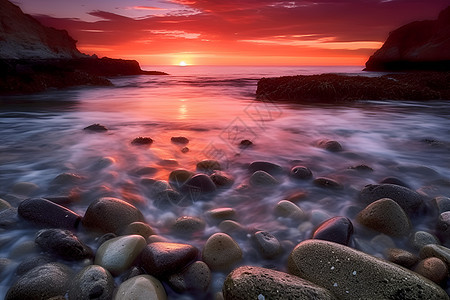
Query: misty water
x=42 y=136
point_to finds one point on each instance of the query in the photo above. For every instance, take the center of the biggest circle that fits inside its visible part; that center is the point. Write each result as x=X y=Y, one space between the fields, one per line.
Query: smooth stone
x=139 y=228
x=132 y=272
x=167 y=199
x=157 y=238
x=244 y=144
x=433 y=250
x=221 y=214
x=4 y=264
x=63 y=243
x=43 y=282
x=401 y=257
x=110 y=215
x=67 y=179
x=187 y=226
x=381 y=242
x=432 y=268
x=155 y=186
x=208 y=165
x=385 y=216
x=361 y=168
x=442 y=203
x=194 y=278
x=92 y=282
x=232 y=228
x=178 y=177
x=142 y=287
x=184 y=150
x=394 y=180
x=408 y=199
x=179 y=140
x=221 y=252
x=262 y=179
x=118 y=254
x=337 y=229
x=267 y=244
x=198 y=185
x=268 y=167
x=327 y=183
x=318 y=216
x=24 y=249
x=222 y=179
x=4 y=204
x=103 y=163
x=420 y=239
x=162 y=259
x=9 y=218
x=352 y=274
x=25 y=188
x=45 y=213
x=443 y=226
x=246 y=283
x=297 y=196
x=106 y=237
x=329 y=145
x=301 y=172
x=287 y=209
x=142 y=141
x=96 y=128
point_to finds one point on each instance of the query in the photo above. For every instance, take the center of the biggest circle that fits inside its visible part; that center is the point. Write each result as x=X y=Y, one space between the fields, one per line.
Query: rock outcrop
x=420 y=45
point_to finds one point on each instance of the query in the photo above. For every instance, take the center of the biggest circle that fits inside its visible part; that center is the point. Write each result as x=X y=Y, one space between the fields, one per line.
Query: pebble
x=63 y=243
x=336 y=229
x=161 y=259
x=186 y=226
x=96 y=128
x=142 y=141
x=263 y=179
x=268 y=167
x=139 y=228
x=168 y=163
x=361 y=168
x=443 y=226
x=194 y=278
x=208 y=165
x=432 y=268
x=233 y=228
x=4 y=264
x=420 y=239
x=25 y=188
x=408 y=199
x=287 y=209
x=329 y=145
x=352 y=274
x=110 y=215
x=43 y=282
x=141 y=287
x=9 y=218
x=442 y=203
x=67 y=179
x=4 y=204
x=245 y=144
x=92 y=282
x=221 y=252
x=433 y=250
x=267 y=244
x=222 y=179
x=385 y=216
x=167 y=198
x=197 y=186
x=118 y=254
x=179 y=140
x=401 y=257
x=43 y=212
x=221 y=214
x=318 y=216
x=260 y=283
x=301 y=172
x=178 y=177
x=327 y=183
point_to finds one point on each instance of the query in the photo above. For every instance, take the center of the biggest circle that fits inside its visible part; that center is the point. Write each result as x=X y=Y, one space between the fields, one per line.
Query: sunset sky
x=232 y=32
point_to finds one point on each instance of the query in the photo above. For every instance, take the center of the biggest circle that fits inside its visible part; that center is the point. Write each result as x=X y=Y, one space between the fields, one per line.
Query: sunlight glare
x=182 y=64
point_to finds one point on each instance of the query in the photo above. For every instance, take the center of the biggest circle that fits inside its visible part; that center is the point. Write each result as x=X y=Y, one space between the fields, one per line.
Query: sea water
x=42 y=136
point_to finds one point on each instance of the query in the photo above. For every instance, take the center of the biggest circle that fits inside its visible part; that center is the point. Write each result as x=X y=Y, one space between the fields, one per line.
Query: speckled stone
x=142 y=287
x=194 y=278
x=267 y=244
x=401 y=257
x=287 y=209
x=257 y=283
x=92 y=282
x=118 y=254
x=220 y=214
x=233 y=228
x=221 y=252
x=443 y=227
x=420 y=239
x=442 y=203
x=187 y=226
x=432 y=268
x=351 y=274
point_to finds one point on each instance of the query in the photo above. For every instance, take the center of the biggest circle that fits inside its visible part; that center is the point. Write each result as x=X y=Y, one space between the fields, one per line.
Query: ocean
x=42 y=136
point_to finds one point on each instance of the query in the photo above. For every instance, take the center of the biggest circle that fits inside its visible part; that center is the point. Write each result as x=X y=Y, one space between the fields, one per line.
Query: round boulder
x=263 y=179
x=432 y=268
x=221 y=252
x=268 y=167
x=337 y=229
x=141 y=287
x=92 y=282
x=300 y=172
x=194 y=278
x=178 y=177
x=267 y=244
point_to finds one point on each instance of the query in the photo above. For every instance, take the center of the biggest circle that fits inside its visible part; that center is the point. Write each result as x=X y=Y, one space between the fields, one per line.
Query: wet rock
x=442 y=203
x=67 y=179
x=329 y=145
x=327 y=183
x=245 y=144
x=32 y=262
x=197 y=186
x=144 y=171
x=443 y=226
x=221 y=252
x=105 y=237
x=168 y=198
x=141 y=287
x=103 y=163
x=178 y=177
x=184 y=150
x=63 y=243
x=408 y=199
x=433 y=250
x=432 y=268
x=268 y=167
x=401 y=257
x=142 y=141
x=394 y=180
x=297 y=196
x=337 y=229
x=208 y=165
x=162 y=259
x=220 y=214
x=43 y=212
x=92 y=282
x=287 y=209
x=186 y=226
x=96 y=128
x=385 y=216
x=139 y=228
x=420 y=239
x=181 y=140
x=43 y=282
x=132 y=272
x=194 y=278
x=300 y=172
x=222 y=179
x=25 y=188
x=110 y=215
x=318 y=216
x=4 y=264
x=262 y=179
x=361 y=168
x=118 y=254
x=267 y=244
x=261 y=283
x=232 y=228
x=351 y=274
x=4 y=204
x=9 y=218
x=154 y=186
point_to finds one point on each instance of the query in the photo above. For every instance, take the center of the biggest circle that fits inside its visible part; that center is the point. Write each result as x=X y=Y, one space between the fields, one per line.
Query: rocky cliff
x=420 y=45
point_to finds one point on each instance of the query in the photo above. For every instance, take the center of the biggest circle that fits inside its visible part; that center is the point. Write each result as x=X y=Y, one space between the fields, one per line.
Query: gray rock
x=141 y=287
x=221 y=252
x=263 y=179
x=43 y=212
x=43 y=282
x=268 y=167
x=25 y=188
x=63 y=243
x=337 y=229
x=92 y=282
x=9 y=218
x=267 y=244
x=32 y=262
x=110 y=215
x=301 y=172
x=420 y=239
x=443 y=226
x=257 y=283
x=351 y=274
x=194 y=278
x=442 y=203
x=287 y=209
x=385 y=216
x=220 y=214
x=162 y=259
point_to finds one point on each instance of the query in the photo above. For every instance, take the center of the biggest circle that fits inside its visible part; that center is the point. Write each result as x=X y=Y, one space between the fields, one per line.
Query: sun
x=182 y=63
